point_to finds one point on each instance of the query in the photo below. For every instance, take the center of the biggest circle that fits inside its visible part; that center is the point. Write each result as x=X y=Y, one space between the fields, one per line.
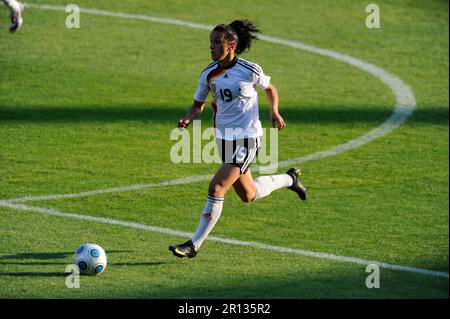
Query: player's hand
x=277 y=121
x=183 y=123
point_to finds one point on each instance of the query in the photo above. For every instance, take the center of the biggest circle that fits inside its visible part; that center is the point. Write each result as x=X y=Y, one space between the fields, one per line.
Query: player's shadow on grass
x=170 y=114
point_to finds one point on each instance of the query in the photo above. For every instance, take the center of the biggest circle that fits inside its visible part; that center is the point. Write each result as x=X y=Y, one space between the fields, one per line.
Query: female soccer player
x=16 y=14
x=231 y=81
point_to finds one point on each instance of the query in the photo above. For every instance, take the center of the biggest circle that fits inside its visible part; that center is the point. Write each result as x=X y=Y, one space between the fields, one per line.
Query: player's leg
x=245 y=187
x=249 y=189
x=12 y=4
x=219 y=185
x=224 y=178
x=16 y=14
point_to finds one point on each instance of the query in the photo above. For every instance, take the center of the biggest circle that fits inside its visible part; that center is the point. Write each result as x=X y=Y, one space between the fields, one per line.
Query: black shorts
x=239 y=153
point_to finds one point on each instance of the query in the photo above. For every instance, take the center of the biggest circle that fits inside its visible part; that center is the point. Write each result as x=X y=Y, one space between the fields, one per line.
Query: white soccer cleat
x=16 y=18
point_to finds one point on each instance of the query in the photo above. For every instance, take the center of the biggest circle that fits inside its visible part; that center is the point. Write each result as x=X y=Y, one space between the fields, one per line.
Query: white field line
x=404 y=99
x=172 y=232
x=179 y=181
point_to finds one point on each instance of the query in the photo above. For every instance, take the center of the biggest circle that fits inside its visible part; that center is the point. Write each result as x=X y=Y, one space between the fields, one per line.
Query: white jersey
x=235 y=100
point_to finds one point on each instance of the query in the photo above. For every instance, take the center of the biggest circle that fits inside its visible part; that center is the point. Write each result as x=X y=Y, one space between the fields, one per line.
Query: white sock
x=12 y=4
x=210 y=215
x=267 y=184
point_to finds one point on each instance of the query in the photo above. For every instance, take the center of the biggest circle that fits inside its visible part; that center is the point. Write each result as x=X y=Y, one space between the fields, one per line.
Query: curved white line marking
x=405 y=101
x=405 y=104
x=177 y=233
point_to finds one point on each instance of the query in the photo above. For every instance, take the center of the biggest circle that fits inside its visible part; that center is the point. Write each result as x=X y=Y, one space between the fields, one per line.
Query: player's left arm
x=275 y=117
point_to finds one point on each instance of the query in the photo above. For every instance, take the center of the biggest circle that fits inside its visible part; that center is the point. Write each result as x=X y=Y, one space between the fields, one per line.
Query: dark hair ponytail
x=243 y=31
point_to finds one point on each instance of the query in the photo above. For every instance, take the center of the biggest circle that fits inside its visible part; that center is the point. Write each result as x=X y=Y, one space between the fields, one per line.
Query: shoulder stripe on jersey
x=209 y=66
x=254 y=70
x=214 y=73
x=251 y=64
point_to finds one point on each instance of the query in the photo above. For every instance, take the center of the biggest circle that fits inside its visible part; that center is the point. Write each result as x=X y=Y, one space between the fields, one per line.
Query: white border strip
x=172 y=232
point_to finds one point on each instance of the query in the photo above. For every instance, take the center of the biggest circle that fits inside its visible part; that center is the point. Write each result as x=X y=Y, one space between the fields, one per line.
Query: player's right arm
x=195 y=110
x=198 y=105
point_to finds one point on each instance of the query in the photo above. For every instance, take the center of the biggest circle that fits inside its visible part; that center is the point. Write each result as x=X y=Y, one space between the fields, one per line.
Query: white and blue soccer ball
x=90 y=259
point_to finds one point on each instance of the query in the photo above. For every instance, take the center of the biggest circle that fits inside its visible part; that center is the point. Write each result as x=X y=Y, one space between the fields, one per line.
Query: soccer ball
x=90 y=258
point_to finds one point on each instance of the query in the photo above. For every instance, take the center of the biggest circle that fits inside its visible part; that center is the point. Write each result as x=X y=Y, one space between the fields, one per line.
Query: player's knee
x=216 y=190
x=247 y=197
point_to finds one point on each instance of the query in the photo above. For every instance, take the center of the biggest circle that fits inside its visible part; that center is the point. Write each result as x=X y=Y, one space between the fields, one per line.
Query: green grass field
x=92 y=108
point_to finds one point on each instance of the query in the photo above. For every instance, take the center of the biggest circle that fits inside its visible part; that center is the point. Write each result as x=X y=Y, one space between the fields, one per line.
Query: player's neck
x=228 y=61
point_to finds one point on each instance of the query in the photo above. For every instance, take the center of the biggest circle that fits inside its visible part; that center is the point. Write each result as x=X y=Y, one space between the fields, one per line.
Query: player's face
x=220 y=48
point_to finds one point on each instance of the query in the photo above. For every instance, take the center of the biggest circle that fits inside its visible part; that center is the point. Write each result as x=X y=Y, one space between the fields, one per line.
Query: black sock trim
x=215 y=198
